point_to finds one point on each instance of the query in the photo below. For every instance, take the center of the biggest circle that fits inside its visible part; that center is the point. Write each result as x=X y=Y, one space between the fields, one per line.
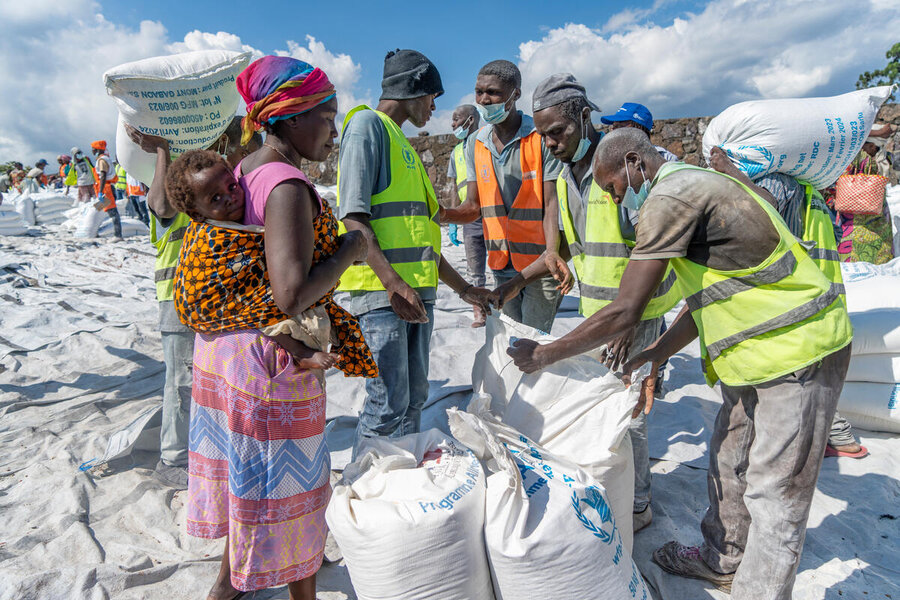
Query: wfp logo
x=409 y=159
x=485 y=176
x=592 y=508
x=752 y=160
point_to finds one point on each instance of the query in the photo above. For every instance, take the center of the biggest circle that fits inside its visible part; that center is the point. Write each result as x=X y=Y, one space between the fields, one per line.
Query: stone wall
x=682 y=137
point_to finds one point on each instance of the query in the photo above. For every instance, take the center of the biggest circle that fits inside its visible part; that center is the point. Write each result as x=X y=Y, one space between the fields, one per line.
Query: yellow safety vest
x=764 y=322
x=459 y=158
x=404 y=218
x=120 y=184
x=603 y=255
x=168 y=246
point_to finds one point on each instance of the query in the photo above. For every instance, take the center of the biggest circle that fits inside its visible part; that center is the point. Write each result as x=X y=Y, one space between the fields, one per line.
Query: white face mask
x=583 y=144
x=462 y=132
x=494 y=113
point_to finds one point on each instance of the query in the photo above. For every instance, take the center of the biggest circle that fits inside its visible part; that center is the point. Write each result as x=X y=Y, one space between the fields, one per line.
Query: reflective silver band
x=164 y=274
x=408 y=255
x=666 y=285
x=526 y=214
x=727 y=288
x=607 y=249
x=823 y=254
x=399 y=209
x=796 y=315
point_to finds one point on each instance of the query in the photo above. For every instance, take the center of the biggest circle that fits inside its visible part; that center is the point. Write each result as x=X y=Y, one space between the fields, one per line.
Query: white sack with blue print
x=549 y=529
x=576 y=408
x=813 y=139
x=408 y=515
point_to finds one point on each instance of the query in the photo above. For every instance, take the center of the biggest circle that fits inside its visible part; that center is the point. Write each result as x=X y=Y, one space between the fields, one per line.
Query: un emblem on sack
x=409 y=159
x=592 y=504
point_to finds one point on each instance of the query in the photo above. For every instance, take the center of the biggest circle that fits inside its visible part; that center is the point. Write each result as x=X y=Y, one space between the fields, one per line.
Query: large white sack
x=11 y=222
x=575 y=408
x=130 y=228
x=548 y=526
x=89 y=221
x=876 y=331
x=408 y=516
x=893 y=199
x=25 y=207
x=188 y=99
x=874 y=368
x=873 y=406
x=813 y=139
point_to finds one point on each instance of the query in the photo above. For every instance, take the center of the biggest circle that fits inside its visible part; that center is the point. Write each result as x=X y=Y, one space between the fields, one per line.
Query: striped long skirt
x=259 y=469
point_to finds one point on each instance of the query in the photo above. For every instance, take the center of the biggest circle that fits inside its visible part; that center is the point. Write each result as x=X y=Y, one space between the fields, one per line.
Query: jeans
x=113 y=214
x=644 y=335
x=178 y=354
x=766 y=449
x=395 y=398
x=536 y=304
x=118 y=193
x=476 y=254
x=139 y=205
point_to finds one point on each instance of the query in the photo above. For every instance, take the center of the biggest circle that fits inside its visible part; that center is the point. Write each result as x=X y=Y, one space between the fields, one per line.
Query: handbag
x=860 y=194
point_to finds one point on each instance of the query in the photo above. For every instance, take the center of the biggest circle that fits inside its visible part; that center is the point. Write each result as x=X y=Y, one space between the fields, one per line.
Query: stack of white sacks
x=540 y=509
x=50 y=207
x=25 y=207
x=11 y=222
x=871 y=395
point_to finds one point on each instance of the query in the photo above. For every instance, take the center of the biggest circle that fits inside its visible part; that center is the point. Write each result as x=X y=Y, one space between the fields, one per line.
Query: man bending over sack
x=599 y=236
x=773 y=328
x=810 y=220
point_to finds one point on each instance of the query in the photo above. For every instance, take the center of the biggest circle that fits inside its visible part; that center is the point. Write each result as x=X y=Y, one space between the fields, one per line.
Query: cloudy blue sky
x=679 y=57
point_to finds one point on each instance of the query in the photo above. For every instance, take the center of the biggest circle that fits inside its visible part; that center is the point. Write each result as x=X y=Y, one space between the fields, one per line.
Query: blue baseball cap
x=631 y=111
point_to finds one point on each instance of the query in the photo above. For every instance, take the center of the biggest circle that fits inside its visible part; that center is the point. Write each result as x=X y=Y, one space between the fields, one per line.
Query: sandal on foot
x=833 y=451
x=685 y=561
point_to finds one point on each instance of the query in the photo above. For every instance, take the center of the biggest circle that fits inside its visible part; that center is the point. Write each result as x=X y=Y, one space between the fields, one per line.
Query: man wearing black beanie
x=384 y=192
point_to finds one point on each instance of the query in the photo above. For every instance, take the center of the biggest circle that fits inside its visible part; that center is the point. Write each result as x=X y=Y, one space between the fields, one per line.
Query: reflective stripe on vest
x=817 y=228
x=168 y=246
x=121 y=184
x=601 y=258
x=459 y=160
x=764 y=322
x=403 y=217
x=522 y=227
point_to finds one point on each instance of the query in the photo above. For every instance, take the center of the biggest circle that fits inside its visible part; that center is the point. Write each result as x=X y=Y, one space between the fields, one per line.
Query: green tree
x=889 y=75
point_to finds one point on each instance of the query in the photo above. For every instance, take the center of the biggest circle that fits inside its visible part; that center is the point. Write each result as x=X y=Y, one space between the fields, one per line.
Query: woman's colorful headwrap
x=278 y=87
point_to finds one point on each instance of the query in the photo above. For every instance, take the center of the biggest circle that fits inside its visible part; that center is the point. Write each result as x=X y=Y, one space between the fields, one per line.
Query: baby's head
x=201 y=184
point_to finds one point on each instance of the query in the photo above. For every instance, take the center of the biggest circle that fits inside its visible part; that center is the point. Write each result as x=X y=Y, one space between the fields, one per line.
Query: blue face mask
x=462 y=132
x=634 y=200
x=493 y=113
x=583 y=144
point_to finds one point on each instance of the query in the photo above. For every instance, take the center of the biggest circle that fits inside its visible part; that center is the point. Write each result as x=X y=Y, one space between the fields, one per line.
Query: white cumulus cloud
x=55 y=54
x=733 y=50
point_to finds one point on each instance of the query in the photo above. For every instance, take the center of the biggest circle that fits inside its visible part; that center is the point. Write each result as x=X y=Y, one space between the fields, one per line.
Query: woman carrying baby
x=263 y=256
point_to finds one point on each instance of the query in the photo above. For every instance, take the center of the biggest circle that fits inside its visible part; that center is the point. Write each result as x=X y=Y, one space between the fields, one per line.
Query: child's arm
x=304 y=356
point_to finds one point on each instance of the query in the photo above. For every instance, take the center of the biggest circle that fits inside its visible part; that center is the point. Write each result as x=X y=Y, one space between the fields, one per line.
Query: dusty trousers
x=765 y=453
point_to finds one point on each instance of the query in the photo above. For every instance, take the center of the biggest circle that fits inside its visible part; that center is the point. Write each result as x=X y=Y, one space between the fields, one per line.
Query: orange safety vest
x=519 y=235
x=135 y=190
x=107 y=187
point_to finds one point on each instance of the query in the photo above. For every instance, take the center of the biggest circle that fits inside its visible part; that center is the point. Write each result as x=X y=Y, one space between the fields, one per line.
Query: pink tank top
x=260 y=182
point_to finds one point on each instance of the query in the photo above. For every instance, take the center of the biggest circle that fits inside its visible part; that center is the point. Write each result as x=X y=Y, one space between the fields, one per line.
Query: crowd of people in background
x=534 y=194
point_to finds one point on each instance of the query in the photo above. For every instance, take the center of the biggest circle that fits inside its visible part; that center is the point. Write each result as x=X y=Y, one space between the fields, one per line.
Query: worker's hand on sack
x=406 y=302
x=506 y=291
x=648 y=385
x=560 y=271
x=617 y=350
x=527 y=355
x=454 y=229
x=357 y=245
x=478 y=296
x=148 y=143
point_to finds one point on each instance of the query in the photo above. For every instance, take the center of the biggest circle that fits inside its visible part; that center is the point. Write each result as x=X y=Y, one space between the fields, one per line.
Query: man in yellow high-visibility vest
x=384 y=192
x=773 y=329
